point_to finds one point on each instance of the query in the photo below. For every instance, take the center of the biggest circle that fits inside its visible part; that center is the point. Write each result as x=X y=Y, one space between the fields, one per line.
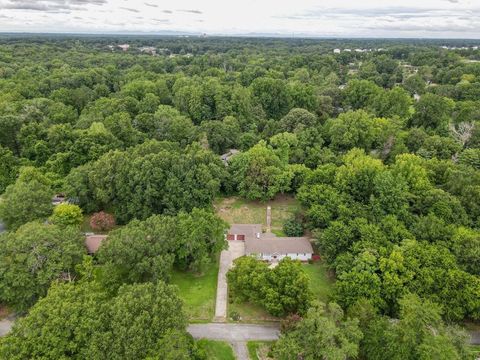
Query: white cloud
x=369 y=18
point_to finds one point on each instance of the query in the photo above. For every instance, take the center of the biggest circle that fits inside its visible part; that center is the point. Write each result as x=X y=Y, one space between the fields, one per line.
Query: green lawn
x=250 y=313
x=320 y=282
x=258 y=350
x=235 y=210
x=216 y=350
x=198 y=292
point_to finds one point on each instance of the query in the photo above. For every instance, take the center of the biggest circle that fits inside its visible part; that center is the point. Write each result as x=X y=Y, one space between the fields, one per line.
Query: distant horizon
x=429 y=19
x=179 y=33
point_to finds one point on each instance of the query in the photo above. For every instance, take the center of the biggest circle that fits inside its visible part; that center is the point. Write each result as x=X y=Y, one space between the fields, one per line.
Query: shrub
x=235 y=316
x=293 y=227
x=67 y=215
x=289 y=323
x=102 y=221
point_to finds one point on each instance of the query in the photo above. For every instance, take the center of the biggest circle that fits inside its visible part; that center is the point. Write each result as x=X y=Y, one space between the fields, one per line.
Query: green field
x=235 y=210
x=197 y=292
x=258 y=350
x=216 y=350
x=320 y=281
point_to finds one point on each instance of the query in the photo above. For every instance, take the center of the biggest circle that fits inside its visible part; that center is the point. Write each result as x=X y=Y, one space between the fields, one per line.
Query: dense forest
x=378 y=140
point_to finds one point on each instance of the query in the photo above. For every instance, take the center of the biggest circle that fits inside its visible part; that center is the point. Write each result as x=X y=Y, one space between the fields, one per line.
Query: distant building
x=93 y=242
x=337 y=51
x=124 y=47
x=148 y=50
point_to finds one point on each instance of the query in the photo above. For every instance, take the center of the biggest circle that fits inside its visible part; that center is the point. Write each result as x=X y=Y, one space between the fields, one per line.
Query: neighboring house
x=58 y=199
x=93 y=242
x=267 y=246
x=227 y=156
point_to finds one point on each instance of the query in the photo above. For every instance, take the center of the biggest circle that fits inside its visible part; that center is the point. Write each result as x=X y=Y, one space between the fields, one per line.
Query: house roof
x=269 y=243
x=93 y=242
x=249 y=230
x=278 y=245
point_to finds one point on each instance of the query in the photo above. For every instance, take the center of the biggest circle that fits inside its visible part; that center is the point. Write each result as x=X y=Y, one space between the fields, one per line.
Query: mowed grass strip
x=320 y=281
x=250 y=313
x=197 y=292
x=216 y=350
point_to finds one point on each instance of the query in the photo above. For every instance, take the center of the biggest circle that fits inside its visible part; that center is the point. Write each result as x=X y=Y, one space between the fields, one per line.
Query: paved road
x=235 y=250
x=2 y=227
x=236 y=334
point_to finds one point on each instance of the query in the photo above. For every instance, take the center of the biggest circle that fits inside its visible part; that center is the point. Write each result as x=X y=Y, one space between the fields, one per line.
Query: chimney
x=269 y=219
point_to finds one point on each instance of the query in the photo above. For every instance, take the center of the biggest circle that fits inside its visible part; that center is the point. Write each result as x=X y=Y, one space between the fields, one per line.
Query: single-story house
x=93 y=242
x=267 y=246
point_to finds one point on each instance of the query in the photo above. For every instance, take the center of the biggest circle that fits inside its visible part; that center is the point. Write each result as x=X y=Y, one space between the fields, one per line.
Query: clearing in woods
x=235 y=210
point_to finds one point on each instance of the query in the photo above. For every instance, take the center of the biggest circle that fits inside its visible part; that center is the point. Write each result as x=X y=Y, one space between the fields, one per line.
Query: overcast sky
x=345 y=18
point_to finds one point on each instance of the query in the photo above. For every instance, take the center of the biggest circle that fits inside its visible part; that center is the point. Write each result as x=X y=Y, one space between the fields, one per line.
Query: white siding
x=270 y=257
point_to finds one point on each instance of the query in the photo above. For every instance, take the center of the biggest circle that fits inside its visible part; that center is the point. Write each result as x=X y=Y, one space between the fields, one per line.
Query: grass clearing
x=259 y=350
x=235 y=210
x=250 y=313
x=216 y=350
x=320 y=281
x=197 y=292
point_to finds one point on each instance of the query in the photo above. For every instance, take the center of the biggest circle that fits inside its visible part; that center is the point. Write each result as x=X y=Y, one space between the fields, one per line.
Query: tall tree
x=324 y=333
x=28 y=199
x=34 y=256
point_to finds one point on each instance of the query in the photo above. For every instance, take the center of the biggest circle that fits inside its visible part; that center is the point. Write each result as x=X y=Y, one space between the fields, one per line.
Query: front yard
x=320 y=280
x=197 y=292
x=249 y=313
x=216 y=350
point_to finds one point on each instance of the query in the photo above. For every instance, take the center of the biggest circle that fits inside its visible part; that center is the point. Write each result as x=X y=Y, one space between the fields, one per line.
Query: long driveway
x=235 y=250
x=236 y=334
